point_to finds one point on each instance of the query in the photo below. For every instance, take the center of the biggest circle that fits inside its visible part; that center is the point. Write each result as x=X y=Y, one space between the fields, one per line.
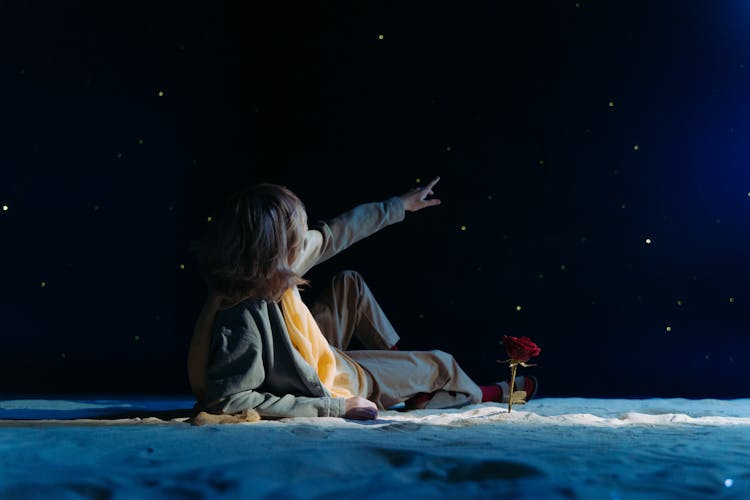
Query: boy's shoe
x=527 y=383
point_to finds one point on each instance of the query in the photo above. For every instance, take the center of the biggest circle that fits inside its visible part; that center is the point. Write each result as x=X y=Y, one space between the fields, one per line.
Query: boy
x=258 y=348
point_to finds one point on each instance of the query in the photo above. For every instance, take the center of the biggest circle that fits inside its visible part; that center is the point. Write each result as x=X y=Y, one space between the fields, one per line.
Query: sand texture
x=550 y=448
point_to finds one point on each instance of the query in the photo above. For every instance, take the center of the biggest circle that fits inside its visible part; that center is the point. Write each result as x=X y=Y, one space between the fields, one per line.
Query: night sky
x=593 y=176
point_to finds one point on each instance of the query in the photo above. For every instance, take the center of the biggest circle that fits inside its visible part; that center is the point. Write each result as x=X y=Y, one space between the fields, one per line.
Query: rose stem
x=513 y=367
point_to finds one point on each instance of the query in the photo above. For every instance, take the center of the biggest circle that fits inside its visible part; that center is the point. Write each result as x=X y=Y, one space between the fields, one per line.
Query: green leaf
x=518 y=398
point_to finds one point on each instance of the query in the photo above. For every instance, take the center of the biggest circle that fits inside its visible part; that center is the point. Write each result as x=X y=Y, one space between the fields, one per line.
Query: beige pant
x=347 y=309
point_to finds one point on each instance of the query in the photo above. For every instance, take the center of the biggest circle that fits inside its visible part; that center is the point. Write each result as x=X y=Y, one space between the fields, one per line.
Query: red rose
x=520 y=349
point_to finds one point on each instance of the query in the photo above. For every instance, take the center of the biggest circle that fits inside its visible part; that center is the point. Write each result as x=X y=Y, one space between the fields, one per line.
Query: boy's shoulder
x=249 y=304
x=245 y=310
x=249 y=317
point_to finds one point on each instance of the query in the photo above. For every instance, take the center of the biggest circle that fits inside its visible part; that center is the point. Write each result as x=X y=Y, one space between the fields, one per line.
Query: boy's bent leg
x=348 y=308
x=400 y=375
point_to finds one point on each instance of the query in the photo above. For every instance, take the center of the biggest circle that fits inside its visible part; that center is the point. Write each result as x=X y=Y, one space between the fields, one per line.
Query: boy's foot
x=527 y=383
x=498 y=392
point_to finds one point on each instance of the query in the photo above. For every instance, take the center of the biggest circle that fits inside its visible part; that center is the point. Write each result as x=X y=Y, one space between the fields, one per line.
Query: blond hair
x=248 y=251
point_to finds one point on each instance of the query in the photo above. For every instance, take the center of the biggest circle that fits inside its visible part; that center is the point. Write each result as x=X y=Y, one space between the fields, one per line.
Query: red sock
x=491 y=393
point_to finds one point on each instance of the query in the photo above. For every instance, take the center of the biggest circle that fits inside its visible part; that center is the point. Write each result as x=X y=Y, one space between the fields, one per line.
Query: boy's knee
x=352 y=283
x=443 y=356
x=348 y=275
x=350 y=279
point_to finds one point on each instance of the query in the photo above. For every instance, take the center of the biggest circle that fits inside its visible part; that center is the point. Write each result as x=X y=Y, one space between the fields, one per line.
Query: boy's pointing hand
x=415 y=199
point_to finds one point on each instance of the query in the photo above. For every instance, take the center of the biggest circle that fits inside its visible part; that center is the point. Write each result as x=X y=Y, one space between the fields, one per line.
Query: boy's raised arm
x=327 y=238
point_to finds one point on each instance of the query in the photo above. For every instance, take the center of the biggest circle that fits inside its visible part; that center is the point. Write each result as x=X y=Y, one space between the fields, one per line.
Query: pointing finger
x=432 y=183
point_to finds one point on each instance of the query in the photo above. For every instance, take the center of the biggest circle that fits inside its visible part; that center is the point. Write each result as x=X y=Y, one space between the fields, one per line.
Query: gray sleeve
x=348 y=228
x=236 y=370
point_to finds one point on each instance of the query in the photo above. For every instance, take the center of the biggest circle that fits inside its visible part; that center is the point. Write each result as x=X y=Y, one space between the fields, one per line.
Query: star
x=5 y=208
x=380 y=37
x=160 y=93
x=636 y=147
x=648 y=241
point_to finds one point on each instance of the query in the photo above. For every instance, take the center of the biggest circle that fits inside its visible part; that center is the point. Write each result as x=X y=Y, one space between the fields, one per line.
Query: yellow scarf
x=309 y=341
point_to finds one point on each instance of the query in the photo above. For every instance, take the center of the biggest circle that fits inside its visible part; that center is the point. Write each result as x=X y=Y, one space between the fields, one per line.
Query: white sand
x=550 y=448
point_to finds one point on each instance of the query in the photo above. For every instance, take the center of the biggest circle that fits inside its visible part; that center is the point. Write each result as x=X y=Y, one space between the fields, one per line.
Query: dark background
x=565 y=134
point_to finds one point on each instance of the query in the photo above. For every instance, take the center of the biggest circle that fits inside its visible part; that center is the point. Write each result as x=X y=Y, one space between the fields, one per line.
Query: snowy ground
x=141 y=447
